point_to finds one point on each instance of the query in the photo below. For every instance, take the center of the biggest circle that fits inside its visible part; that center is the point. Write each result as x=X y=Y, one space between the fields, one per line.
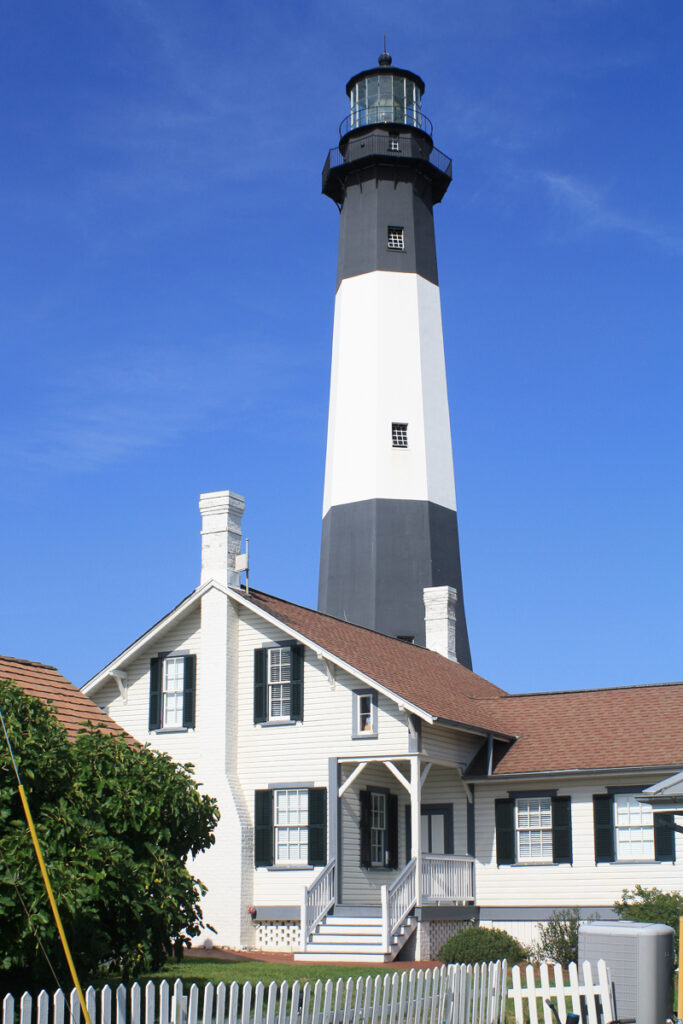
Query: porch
x=399 y=833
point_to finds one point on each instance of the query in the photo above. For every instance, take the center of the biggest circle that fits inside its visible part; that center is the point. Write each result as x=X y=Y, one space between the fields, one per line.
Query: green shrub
x=479 y=945
x=559 y=937
x=652 y=905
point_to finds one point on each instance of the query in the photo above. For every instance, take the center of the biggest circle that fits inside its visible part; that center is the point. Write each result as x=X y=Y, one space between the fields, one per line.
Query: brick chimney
x=440 y=620
x=222 y=513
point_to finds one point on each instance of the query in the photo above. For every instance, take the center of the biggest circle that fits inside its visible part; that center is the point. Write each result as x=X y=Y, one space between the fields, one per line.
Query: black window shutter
x=263 y=828
x=260 y=684
x=189 y=690
x=665 y=848
x=448 y=830
x=296 y=710
x=562 y=829
x=155 y=694
x=392 y=831
x=603 y=827
x=505 y=831
x=409 y=834
x=317 y=826
x=365 y=818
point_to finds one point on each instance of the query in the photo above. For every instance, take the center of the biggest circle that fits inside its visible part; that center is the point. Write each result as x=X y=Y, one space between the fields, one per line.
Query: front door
x=433 y=831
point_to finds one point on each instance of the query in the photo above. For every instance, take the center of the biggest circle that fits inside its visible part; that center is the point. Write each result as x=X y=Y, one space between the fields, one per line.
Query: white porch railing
x=445 y=877
x=319 y=897
x=398 y=899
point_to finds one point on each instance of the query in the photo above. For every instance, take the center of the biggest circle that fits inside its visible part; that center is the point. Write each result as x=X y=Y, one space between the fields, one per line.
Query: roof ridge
x=587 y=689
x=25 y=661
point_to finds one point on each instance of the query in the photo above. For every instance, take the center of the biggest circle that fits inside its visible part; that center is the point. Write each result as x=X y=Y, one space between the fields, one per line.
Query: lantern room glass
x=385 y=99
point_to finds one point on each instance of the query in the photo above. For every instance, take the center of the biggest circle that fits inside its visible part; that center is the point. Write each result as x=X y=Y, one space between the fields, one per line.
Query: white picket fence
x=591 y=998
x=455 y=994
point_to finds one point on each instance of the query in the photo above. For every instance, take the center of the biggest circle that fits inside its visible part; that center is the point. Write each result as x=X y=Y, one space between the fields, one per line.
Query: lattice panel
x=278 y=935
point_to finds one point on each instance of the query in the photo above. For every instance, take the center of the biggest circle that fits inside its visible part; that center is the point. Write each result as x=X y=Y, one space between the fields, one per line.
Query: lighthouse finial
x=384 y=59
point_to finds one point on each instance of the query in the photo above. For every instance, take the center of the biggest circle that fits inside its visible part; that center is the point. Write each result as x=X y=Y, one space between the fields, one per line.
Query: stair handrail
x=398 y=900
x=318 y=899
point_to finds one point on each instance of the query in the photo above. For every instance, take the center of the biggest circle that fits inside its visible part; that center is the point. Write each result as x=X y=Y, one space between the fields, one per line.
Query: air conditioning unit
x=640 y=958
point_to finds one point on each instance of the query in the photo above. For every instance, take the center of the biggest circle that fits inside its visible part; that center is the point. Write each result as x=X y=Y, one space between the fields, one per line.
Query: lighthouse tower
x=389 y=515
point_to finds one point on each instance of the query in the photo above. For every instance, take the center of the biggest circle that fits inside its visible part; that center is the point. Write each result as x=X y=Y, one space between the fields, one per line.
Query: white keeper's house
x=375 y=792
x=372 y=790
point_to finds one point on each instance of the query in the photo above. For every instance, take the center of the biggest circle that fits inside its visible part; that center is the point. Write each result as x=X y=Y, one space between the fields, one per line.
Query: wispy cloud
x=591 y=207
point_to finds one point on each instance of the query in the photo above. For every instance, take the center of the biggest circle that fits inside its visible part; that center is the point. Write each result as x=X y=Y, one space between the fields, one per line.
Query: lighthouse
x=390 y=525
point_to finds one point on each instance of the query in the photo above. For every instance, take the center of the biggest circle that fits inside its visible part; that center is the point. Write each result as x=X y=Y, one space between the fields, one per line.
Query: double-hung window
x=290 y=826
x=533 y=828
x=278 y=684
x=172 y=680
x=378 y=829
x=364 y=714
x=627 y=830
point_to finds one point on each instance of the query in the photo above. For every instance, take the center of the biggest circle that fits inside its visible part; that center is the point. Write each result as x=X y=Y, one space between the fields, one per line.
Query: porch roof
x=442 y=688
x=578 y=730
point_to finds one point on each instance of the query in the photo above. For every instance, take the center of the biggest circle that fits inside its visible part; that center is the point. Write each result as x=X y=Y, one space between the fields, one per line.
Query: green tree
x=116 y=823
x=652 y=905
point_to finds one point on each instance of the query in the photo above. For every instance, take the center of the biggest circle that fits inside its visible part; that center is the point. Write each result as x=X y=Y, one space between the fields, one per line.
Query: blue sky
x=167 y=291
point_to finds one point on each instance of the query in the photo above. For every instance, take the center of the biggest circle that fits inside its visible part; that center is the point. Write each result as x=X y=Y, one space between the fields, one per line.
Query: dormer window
x=399 y=435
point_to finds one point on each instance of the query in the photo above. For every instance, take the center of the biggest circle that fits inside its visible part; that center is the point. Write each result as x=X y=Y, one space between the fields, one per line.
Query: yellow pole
x=680 y=972
x=55 y=911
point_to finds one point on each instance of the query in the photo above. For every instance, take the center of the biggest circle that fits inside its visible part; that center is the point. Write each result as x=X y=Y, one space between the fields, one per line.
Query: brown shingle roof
x=72 y=707
x=440 y=687
x=620 y=727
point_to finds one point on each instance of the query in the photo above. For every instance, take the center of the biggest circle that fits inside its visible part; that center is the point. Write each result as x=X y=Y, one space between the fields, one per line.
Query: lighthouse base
x=377 y=556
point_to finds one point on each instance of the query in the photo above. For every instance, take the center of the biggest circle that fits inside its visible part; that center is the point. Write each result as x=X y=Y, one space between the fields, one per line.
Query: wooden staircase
x=355 y=935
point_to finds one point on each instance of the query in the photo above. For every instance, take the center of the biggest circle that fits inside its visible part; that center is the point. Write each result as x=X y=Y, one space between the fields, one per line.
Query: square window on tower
x=399 y=435
x=394 y=144
x=395 y=238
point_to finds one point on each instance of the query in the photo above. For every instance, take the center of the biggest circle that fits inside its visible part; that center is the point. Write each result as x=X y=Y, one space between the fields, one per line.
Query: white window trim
x=357 y=732
x=645 y=811
x=529 y=858
x=166 y=724
x=284 y=862
x=278 y=718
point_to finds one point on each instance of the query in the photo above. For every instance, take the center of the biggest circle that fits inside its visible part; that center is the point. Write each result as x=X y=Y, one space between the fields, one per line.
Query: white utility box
x=640 y=958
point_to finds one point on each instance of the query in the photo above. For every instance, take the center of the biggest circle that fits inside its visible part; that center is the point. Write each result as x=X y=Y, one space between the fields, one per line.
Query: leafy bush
x=116 y=823
x=479 y=945
x=559 y=937
x=652 y=905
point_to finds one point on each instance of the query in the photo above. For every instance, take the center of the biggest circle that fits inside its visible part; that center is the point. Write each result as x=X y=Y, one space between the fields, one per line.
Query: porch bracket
x=425 y=773
x=398 y=774
x=352 y=777
x=121 y=680
x=468 y=790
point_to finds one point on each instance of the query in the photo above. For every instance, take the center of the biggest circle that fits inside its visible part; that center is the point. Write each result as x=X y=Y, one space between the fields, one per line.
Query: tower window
x=395 y=238
x=394 y=144
x=399 y=435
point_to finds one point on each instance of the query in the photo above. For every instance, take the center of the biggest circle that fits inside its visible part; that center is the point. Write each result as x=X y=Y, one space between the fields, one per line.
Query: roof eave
x=572 y=773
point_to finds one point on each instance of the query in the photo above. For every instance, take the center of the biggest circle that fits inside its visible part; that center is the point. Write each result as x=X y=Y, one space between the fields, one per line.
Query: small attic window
x=395 y=239
x=399 y=435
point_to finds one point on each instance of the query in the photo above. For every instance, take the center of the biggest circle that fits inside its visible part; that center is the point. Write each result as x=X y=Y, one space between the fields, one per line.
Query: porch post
x=333 y=801
x=416 y=824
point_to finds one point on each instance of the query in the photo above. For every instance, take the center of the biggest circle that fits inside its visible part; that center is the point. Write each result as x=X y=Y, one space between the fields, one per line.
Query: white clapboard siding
x=591 y=998
x=457 y=994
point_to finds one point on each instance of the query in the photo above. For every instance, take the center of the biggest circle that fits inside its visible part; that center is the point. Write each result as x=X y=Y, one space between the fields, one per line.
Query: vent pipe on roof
x=440 y=619
x=222 y=513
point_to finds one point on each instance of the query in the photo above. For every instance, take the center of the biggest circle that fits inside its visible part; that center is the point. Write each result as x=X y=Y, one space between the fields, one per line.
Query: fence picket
x=259 y=995
x=531 y=987
x=560 y=1001
x=164 y=1002
x=25 y=1007
x=545 y=994
x=177 y=1004
x=207 y=1005
x=590 y=993
x=74 y=1008
x=8 y=1009
x=121 y=1004
x=135 y=1008
x=336 y=1003
x=42 y=1007
x=150 y=1000
x=574 y=988
x=192 y=1005
x=58 y=1007
x=608 y=1011
x=305 y=1003
x=271 y=1002
x=233 y=997
x=246 y=1001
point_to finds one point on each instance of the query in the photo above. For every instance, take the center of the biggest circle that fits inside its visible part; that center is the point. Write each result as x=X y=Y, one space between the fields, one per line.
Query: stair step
x=346 y=929
x=342 y=956
x=364 y=942
x=368 y=922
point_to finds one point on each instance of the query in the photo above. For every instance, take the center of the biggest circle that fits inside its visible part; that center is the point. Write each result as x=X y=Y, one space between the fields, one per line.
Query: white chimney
x=440 y=617
x=222 y=513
